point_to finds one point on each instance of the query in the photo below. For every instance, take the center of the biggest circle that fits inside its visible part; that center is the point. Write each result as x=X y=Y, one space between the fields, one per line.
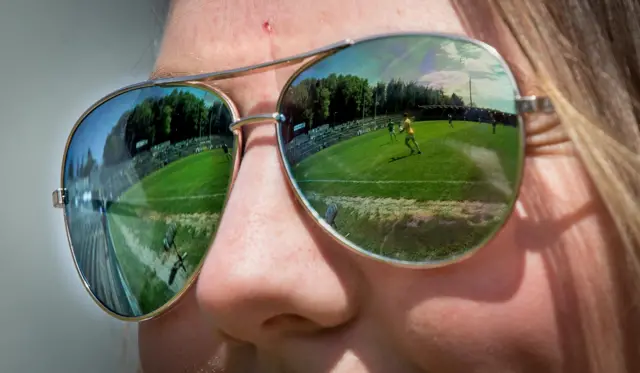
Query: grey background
x=56 y=59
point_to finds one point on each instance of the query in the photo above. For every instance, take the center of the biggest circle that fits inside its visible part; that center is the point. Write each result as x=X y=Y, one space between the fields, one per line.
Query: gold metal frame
x=528 y=104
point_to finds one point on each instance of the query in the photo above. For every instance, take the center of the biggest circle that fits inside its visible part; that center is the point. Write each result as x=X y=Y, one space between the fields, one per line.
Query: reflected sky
x=95 y=128
x=432 y=61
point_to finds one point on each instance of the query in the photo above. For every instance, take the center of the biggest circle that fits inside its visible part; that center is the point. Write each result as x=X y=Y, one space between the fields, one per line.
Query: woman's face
x=276 y=294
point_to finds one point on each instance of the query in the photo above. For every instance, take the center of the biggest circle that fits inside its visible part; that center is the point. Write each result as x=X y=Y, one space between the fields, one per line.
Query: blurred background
x=56 y=59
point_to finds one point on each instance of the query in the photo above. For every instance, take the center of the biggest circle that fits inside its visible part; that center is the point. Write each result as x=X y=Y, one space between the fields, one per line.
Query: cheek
x=478 y=331
x=517 y=300
x=498 y=308
x=493 y=310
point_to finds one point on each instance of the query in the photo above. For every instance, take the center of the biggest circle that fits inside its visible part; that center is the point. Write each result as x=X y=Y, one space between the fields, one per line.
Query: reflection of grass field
x=436 y=203
x=188 y=193
x=148 y=289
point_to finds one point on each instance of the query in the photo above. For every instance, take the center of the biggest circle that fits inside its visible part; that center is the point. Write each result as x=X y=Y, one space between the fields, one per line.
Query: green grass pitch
x=416 y=207
x=189 y=193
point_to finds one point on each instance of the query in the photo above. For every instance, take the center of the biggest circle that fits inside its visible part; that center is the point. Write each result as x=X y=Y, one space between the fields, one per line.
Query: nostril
x=291 y=322
x=230 y=339
x=284 y=319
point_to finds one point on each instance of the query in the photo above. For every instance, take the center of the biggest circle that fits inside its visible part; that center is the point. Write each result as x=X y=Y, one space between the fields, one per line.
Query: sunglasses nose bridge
x=238 y=124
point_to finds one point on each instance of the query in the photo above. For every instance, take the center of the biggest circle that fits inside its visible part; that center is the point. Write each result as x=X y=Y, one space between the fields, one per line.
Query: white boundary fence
x=325 y=136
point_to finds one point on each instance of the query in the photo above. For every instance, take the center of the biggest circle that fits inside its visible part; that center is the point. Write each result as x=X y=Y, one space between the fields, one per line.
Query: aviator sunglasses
x=405 y=148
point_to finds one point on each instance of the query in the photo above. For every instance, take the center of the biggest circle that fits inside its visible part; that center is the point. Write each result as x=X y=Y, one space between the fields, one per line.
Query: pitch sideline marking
x=391 y=181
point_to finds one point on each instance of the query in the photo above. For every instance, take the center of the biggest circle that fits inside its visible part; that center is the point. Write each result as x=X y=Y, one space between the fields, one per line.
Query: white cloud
x=489 y=89
x=444 y=79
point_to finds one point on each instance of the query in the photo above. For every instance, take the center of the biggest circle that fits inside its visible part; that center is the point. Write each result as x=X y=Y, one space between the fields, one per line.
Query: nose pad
x=255 y=119
x=237 y=129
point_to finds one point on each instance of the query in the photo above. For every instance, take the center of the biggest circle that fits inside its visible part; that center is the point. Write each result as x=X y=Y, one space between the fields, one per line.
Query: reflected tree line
x=172 y=118
x=343 y=98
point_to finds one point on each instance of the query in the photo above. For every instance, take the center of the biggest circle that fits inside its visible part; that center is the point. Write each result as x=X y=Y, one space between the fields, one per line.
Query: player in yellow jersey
x=409 y=137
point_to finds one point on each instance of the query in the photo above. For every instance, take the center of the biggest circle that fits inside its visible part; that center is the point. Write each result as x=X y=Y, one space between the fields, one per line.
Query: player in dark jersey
x=450 y=120
x=392 y=132
x=494 y=123
x=225 y=149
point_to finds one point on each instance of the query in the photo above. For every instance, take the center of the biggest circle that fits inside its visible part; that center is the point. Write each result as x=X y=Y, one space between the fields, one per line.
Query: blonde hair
x=586 y=58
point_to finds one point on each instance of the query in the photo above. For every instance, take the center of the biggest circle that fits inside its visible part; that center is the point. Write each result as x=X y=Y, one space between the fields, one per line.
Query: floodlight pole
x=363 y=83
x=375 y=105
x=470 y=94
x=211 y=119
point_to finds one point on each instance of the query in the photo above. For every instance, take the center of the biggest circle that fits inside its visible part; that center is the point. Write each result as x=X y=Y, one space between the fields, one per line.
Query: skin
x=515 y=306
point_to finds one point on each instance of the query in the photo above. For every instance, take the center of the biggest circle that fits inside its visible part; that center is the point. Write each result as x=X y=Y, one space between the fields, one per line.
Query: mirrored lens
x=407 y=146
x=147 y=174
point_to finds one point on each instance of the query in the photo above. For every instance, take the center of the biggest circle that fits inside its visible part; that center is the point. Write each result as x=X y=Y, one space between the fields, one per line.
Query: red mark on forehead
x=266 y=26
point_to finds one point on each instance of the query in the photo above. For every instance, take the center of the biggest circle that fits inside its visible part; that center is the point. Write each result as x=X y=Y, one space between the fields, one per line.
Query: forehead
x=205 y=36
x=216 y=35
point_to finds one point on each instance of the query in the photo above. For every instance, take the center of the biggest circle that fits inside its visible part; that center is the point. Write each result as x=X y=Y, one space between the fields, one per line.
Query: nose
x=271 y=270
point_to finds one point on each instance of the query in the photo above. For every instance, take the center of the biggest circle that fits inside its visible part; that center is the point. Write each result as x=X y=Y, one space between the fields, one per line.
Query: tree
x=302 y=100
x=165 y=122
x=79 y=167
x=89 y=164
x=341 y=98
x=71 y=170
x=380 y=97
x=456 y=100
x=174 y=117
x=114 y=150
